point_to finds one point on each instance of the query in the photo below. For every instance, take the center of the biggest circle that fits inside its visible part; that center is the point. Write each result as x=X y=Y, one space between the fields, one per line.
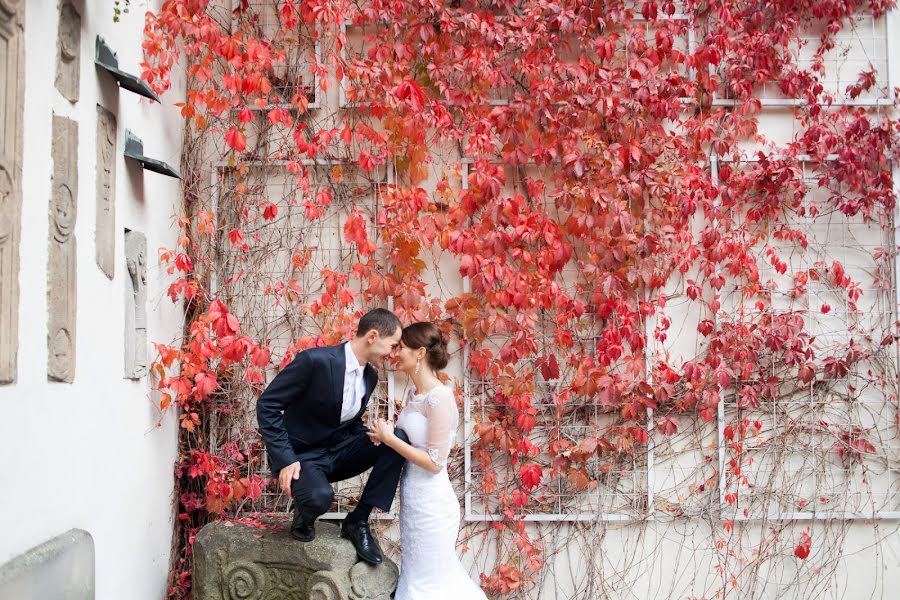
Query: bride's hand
x=374 y=437
x=382 y=430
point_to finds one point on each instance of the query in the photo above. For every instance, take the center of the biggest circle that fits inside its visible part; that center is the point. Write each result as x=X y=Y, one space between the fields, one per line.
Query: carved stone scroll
x=12 y=61
x=61 y=268
x=236 y=561
x=105 y=233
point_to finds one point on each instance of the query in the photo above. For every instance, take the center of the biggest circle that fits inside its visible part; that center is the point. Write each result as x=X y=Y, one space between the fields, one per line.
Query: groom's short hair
x=381 y=320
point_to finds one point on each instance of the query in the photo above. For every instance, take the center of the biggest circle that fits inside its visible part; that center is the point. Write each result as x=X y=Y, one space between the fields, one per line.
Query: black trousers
x=321 y=467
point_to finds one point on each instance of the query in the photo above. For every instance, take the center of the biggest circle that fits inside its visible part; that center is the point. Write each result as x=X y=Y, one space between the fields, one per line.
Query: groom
x=310 y=417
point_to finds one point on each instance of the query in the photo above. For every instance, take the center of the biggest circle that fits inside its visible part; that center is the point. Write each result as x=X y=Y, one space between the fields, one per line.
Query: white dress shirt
x=354 y=386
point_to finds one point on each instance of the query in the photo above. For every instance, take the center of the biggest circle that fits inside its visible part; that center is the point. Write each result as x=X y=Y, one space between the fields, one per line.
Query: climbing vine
x=660 y=234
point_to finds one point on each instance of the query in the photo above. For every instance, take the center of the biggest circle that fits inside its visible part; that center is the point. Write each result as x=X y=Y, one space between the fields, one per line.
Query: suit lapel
x=338 y=369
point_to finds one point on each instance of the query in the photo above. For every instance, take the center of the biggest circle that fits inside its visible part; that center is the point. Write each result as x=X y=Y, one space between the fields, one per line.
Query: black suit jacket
x=300 y=410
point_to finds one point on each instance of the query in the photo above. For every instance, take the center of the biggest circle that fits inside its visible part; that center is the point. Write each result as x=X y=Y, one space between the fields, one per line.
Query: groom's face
x=383 y=347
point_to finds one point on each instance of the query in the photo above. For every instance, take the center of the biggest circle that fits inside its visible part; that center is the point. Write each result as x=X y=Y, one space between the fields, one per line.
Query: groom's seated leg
x=355 y=458
x=360 y=456
x=312 y=493
x=382 y=484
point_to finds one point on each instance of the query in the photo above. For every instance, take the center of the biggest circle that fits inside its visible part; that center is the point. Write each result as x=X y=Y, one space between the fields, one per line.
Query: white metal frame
x=317 y=102
x=839 y=100
x=726 y=511
x=342 y=84
x=732 y=513
x=470 y=515
x=691 y=40
x=216 y=179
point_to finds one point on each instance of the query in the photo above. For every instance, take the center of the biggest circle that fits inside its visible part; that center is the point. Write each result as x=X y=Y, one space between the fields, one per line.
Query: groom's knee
x=402 y=435
x=315 y=501
x=320 y=499
x=392 y=455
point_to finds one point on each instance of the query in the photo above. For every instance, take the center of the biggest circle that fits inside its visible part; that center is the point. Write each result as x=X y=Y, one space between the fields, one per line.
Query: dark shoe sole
x=374 y=563
x=303 y=538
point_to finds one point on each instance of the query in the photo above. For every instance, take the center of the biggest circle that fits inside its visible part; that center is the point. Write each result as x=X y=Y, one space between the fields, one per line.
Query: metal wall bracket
x=106 y=59
x=134 y=149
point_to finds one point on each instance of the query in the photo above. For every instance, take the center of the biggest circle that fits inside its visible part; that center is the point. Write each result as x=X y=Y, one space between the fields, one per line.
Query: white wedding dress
x=429 y=509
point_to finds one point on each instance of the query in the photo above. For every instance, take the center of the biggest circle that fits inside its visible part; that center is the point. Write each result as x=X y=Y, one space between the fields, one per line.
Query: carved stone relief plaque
x=135 y=304
x=242 y=562
x=105 y=234
x=61 y=269
x=12 y=66
x=69 y=51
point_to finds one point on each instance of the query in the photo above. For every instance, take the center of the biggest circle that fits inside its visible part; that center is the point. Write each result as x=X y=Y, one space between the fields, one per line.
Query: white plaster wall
x=90 y=454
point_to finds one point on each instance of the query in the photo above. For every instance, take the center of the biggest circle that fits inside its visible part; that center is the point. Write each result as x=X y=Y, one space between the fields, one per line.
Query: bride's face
x=407 y=358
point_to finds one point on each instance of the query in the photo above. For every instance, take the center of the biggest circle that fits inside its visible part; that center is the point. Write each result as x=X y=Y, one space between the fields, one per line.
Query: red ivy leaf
x=806 y=373
x=367 y=161
x=236 y=139
x=254 y=375
x=206 y=384
x=520 y=498
x=260 y=357
x=530 y=475
x=347 y=135
x=803 y=548
x=668 y=426
x=549 y=368
x=183 y=263
x=236 y=237
x=355 y=233
x=411 y=93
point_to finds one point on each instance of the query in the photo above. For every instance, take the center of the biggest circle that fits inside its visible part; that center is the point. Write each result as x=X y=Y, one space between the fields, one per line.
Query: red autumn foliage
x=583 y=195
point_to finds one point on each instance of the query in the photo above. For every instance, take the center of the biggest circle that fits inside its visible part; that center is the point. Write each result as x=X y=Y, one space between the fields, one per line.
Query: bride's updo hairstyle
x=427 y=335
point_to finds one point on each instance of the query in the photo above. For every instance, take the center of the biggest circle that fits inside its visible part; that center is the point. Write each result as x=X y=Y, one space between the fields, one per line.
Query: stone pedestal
x=60 y=569
x=237 y=562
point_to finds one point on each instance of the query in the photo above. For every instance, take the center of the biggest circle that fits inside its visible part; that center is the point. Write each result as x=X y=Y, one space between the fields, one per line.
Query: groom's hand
x=287 y=475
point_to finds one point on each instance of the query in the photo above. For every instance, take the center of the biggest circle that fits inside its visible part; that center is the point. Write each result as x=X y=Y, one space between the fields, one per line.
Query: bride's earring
x=418 y=364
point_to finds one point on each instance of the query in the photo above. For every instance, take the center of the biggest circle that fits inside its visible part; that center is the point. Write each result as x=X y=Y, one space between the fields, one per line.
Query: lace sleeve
x=440 y=412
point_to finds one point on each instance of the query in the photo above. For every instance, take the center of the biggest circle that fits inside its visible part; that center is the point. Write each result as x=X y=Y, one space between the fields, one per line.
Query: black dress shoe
x=360 y=536
x=302 y=529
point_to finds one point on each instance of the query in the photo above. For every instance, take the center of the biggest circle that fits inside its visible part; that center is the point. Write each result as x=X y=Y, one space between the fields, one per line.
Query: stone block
x=61 y=569
x=238 y=562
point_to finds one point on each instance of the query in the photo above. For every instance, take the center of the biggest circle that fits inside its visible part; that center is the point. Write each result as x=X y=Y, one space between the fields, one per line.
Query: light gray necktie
x=356 y=385
x=354 y=392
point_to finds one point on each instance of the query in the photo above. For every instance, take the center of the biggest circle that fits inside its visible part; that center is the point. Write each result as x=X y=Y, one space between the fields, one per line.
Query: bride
x=429 y=509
